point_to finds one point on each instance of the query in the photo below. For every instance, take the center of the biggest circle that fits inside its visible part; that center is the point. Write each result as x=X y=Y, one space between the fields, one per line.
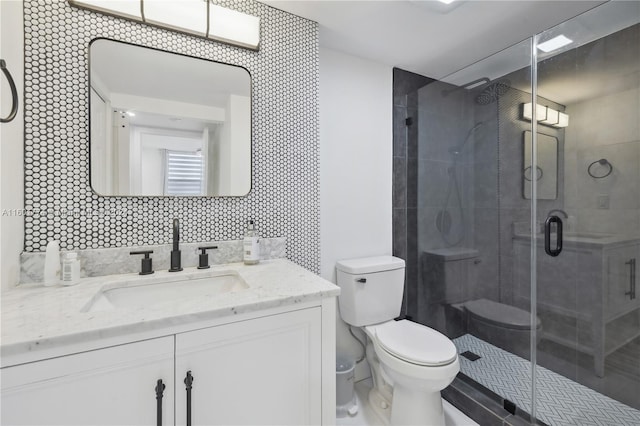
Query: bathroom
x=314 y=200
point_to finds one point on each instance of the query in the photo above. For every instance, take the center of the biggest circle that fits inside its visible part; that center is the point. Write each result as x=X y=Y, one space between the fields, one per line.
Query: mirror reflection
x=546 y=173
x=164 y=124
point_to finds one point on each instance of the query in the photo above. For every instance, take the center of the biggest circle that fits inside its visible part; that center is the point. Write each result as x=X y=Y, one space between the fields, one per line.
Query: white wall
x=11 y=146
x=356 y=137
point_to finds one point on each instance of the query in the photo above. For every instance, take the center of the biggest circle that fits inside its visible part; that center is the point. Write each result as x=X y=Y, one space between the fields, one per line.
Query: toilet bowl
x=410 y=363
x=452 y=281
x=505 y=326
x=417 y=362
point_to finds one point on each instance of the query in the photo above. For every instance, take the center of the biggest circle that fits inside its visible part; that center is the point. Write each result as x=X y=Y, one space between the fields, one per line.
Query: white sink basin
x=148 y=291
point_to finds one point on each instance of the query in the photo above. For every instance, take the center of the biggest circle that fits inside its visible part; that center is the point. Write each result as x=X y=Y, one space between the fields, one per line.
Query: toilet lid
x=416 y=343
x=500 y=314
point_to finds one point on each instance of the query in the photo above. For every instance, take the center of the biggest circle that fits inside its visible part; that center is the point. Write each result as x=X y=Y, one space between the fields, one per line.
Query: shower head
x=456 y=150
x=493 y=92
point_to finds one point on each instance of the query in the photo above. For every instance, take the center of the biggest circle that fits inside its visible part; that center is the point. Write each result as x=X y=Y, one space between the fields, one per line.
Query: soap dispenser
x=251 y=245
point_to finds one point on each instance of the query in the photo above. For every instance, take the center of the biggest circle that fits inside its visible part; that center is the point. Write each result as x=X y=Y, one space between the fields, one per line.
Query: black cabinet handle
x=159 y=393
x=547 y=236
x=188 y=380
x=632 y=278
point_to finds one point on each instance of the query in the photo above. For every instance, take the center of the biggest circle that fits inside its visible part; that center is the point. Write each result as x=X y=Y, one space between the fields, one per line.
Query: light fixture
x=554 y=43
x=194 y=17
x=446 y=1
x=545 y=115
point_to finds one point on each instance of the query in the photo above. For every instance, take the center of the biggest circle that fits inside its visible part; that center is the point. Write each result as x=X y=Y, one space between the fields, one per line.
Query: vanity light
x=233 y=27
x=554 y=43
x=545 y=115
x=195 y=17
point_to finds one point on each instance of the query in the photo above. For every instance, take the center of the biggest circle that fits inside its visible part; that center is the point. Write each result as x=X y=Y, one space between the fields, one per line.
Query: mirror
x=165 y=124
x=546 y=172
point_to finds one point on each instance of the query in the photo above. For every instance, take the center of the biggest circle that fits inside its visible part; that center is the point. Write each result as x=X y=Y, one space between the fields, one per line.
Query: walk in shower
x=520 y=216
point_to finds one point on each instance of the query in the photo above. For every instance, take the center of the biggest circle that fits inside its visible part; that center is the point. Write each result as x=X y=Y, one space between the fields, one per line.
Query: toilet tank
x=371 y=289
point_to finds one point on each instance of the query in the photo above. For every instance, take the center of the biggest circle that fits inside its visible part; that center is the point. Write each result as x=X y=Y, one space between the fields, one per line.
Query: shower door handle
x=547 y=236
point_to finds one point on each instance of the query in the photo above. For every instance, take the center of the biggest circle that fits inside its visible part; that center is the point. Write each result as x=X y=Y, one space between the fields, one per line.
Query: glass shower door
x=588 y=140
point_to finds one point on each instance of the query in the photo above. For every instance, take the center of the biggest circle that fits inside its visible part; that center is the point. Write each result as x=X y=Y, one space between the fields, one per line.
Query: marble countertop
x=35 y=317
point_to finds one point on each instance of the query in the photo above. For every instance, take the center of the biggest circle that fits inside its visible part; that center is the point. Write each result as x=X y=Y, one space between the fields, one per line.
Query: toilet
x=452 y=276
x=410 y=363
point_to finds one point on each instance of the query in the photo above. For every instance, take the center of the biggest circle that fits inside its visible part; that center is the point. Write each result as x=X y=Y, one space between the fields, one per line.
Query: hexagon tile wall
x=59 y=201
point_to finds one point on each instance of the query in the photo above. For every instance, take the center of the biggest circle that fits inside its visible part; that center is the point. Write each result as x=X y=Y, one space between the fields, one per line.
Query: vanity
x=233 y=344
x=586 y=297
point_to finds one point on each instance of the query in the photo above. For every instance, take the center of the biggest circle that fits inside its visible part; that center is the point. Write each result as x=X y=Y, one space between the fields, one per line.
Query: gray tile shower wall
x=405 y=178
x=284 y=199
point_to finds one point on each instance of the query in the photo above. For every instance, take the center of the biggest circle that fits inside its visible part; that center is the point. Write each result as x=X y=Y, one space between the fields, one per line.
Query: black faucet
x=175 y=253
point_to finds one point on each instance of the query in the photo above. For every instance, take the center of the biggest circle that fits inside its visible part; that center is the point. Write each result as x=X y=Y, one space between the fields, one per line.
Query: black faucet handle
x=203 y=259
x=146 y=265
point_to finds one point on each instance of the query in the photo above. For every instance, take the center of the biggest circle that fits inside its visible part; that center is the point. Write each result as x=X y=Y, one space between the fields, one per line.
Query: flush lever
x=361 y=280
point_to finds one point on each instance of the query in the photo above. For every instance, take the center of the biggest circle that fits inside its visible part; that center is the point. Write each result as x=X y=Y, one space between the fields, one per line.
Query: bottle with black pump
x=176 y=260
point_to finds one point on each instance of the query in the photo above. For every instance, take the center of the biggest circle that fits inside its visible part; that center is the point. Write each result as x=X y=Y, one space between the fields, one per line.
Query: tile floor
x=561 y=401
x=366 y=416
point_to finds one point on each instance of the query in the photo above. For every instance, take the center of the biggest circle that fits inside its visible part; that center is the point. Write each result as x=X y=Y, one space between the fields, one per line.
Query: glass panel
x=473 y=223
x=588 y=353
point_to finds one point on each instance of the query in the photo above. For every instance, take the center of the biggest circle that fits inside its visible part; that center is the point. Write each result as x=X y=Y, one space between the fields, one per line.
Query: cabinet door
x=257 y=372
x=622 y=273
x=112 y=386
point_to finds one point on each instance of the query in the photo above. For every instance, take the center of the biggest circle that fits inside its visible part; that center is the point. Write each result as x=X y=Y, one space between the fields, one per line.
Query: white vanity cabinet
x=111 y=386
x=261 y=371
x=586 y=297
x=622 y=266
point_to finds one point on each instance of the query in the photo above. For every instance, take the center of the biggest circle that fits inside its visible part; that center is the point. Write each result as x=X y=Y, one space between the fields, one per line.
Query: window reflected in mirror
x=164 y=124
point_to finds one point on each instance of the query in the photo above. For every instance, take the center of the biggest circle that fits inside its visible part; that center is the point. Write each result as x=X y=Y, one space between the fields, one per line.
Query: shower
x=444 y=220
x=489 y=94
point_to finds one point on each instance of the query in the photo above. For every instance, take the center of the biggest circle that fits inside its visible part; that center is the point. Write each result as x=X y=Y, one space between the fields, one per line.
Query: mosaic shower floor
x=561 y=401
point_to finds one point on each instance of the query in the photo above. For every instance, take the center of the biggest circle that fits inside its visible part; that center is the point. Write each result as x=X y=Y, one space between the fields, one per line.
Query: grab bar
x=14 y=93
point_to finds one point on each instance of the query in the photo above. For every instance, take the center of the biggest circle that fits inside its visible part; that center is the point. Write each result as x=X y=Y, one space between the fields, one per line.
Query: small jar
x=70 y=269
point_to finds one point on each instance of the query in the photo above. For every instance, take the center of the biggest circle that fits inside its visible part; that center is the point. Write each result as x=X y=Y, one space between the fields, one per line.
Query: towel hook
x=602 y=162
x=14 y=93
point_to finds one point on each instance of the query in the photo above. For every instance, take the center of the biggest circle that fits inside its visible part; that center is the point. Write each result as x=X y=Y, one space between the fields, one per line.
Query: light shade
x=233 y=27
x=188 y=16
x=545 y=115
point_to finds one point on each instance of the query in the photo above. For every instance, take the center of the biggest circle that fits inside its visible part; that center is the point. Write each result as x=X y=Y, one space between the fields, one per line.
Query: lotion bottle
x=52 y=264
x=251 y=245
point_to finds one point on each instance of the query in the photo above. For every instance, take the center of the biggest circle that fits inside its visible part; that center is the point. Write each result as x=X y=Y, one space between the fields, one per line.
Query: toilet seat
x=415 y=343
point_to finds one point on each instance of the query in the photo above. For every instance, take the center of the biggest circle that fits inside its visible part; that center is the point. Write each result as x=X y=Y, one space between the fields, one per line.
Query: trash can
x=345 y=396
